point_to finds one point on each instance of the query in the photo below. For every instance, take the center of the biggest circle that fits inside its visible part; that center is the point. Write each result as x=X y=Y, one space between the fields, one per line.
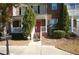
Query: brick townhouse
x=46 y=14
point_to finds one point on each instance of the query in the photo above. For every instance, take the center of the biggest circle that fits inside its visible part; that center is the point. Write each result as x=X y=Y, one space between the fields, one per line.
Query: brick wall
x=53 y=13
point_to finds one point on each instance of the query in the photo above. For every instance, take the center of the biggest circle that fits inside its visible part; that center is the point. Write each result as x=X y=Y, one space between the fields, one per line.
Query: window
x=23 y=10
x=54 y=6
x=72 y=6
x=75 y=23
x=20 y=11
x=52 y=23
x=77 y=6
x=16 y=23
x=36 y=9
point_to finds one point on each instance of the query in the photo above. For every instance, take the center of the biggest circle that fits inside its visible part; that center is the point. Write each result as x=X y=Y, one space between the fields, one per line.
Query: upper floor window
x=72 y=6
x=23 y=10
x=54 y=6
x=77 y=5
x=36 y=9
x=20 y=11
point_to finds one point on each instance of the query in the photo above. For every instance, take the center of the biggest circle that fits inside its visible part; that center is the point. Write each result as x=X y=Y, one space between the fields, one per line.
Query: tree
x=6 y=14
x=64 y=22
x=6 y=18
x=28 y=21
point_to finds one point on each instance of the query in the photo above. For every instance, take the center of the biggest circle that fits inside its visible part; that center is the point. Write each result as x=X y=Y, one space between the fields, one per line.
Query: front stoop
x=36 y=43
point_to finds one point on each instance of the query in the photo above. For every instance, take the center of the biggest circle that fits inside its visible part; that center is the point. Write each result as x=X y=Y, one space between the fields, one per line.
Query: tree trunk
x=7 y=44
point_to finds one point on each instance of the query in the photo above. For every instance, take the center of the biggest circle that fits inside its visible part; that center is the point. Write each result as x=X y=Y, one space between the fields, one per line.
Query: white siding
x=15 y=11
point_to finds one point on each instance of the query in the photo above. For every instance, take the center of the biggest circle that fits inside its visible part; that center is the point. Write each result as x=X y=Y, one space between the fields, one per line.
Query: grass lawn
x=15 y=42
x=69 y=45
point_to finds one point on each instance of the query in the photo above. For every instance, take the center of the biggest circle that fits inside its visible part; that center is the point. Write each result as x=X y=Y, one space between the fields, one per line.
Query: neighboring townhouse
x=73 y=10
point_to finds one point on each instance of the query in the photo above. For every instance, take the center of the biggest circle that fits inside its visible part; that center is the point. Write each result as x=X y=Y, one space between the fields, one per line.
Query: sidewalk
x=34 y=48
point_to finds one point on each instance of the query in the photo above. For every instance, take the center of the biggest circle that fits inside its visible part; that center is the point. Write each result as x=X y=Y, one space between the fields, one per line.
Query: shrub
x=64 y=21
x=28 y=21
x=17 y=36
x=59 y=33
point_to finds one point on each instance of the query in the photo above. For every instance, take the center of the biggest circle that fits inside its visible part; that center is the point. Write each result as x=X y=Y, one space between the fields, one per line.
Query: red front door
x=37 y=28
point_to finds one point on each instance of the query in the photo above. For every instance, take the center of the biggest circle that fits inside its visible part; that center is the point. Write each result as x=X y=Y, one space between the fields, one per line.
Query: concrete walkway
x=34 y=48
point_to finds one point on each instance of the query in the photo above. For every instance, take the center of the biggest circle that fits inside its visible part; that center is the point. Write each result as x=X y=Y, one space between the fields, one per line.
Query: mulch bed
x=70 y=45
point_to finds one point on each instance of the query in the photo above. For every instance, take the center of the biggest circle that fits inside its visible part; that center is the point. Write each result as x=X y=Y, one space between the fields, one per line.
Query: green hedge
x=17 y=36
x=59 y=33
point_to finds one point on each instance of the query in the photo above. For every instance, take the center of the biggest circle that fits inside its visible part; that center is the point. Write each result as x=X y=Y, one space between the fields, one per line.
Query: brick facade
x=53 y=13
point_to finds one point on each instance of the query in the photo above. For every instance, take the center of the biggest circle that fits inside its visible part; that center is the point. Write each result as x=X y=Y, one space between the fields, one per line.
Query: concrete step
x=36 y=43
